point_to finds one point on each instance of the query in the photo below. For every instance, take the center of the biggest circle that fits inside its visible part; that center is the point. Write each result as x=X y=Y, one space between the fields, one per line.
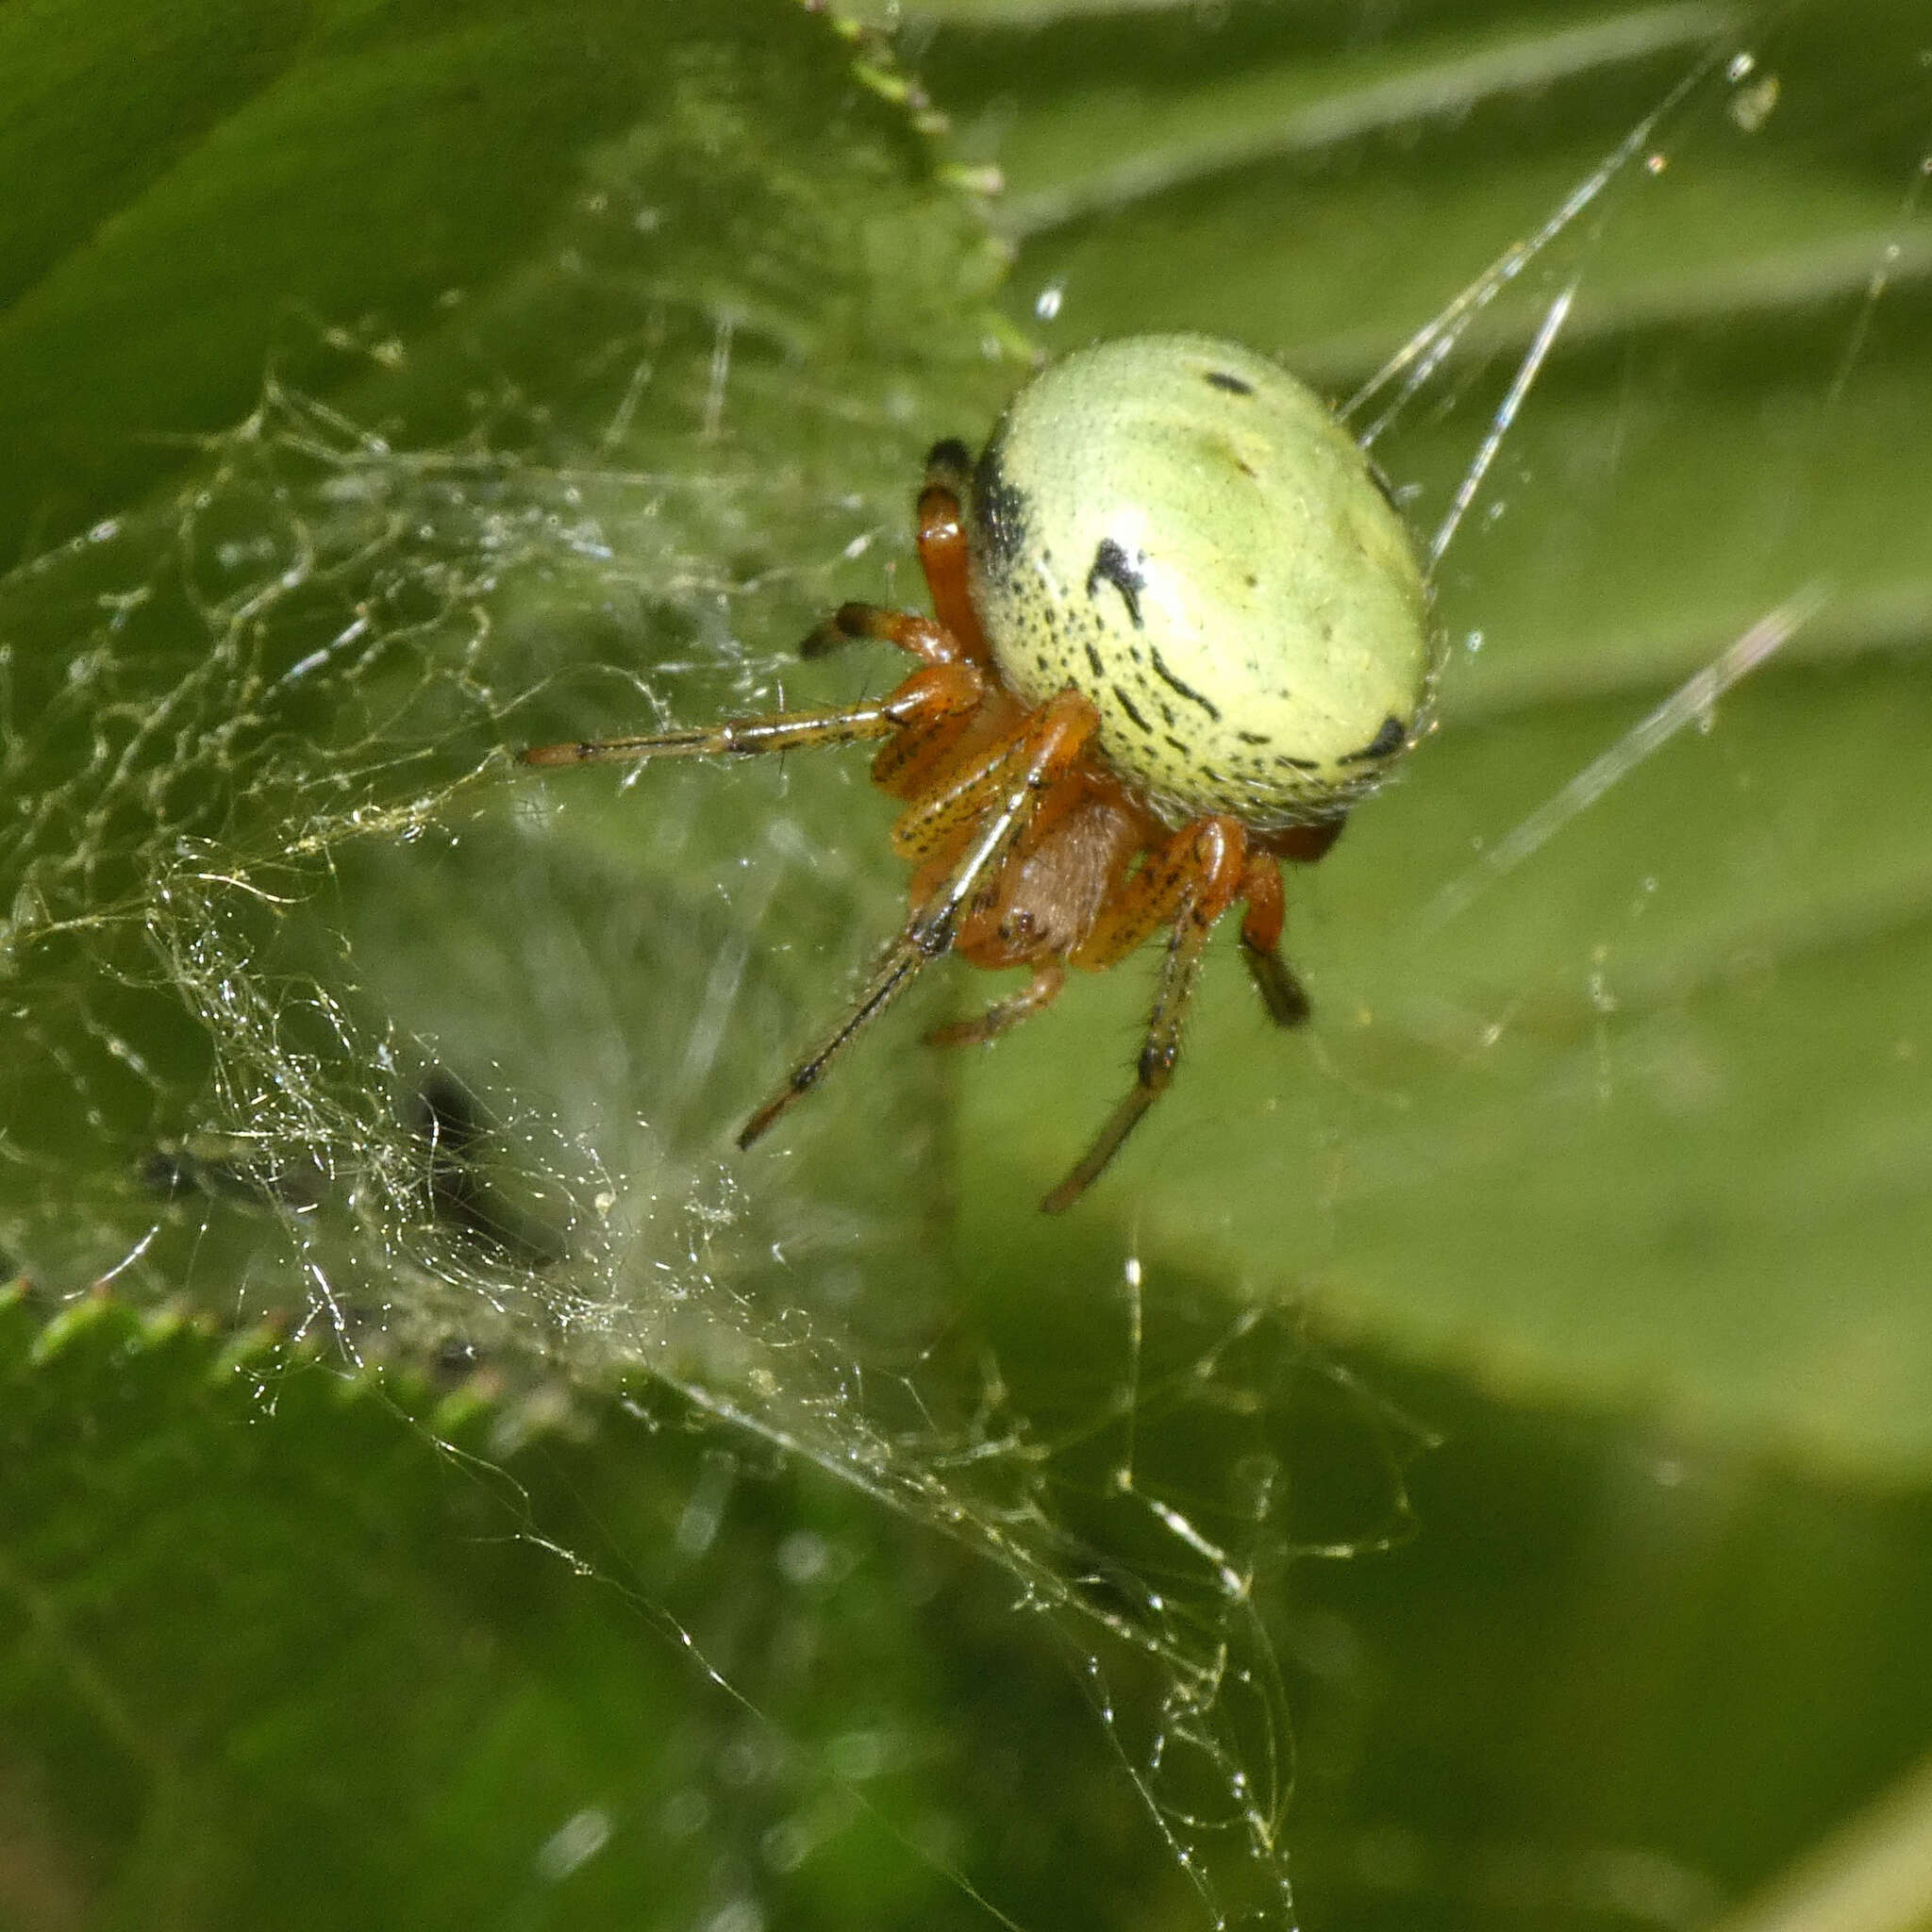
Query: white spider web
x=429 y=1051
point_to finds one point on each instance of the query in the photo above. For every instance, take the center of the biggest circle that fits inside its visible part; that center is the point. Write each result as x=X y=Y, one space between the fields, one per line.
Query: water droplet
x=573 y=1843
x=1751 y=106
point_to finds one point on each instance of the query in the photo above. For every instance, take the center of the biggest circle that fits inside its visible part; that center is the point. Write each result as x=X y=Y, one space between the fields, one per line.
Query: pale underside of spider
x=1027 y=848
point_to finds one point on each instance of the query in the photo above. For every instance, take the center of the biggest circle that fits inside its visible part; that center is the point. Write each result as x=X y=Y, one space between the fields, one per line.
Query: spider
x=1179 y=629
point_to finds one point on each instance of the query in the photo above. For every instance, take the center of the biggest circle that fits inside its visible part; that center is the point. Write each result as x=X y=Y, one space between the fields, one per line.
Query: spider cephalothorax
x=1179 y=629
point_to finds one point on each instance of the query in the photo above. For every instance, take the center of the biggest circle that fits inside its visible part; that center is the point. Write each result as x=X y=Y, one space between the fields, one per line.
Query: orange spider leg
x=1303 y=844
x=987 y=940
x=926 y=699
x=1037 y=755
x=907 y=765
x=1282 y=993
x=942 y=546
x=901 y=766
x=1191 y=880
x=1207 y=856
x=1044 y=743
x=852 y=623
x=940 y=534
x=1049 y=978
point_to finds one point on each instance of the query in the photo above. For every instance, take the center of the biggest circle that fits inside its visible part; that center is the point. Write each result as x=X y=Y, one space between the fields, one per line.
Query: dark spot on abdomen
x=1234 y=385
x=1187 y=690
x=1385 y=744
x=1112 y=565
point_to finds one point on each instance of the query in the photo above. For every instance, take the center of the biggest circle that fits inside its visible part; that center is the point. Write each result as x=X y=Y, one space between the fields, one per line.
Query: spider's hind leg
x=1192 y=879
x=1281 y=990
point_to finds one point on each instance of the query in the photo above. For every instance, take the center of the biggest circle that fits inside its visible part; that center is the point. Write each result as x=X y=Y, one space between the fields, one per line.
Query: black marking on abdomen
x=1000 y=510
x=1234 y=385
x=1187 y=690
x=1253 y=737
x=1094 y=658
x=1112 y=565
x=1387 y=741
x=1126 y=704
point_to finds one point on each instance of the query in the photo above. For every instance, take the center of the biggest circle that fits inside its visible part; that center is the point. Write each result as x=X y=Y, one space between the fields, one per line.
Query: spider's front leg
x=929 y=699
x=960 y=836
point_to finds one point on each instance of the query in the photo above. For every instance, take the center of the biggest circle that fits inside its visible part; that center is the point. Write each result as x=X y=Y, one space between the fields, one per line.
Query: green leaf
x=281 y=1647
